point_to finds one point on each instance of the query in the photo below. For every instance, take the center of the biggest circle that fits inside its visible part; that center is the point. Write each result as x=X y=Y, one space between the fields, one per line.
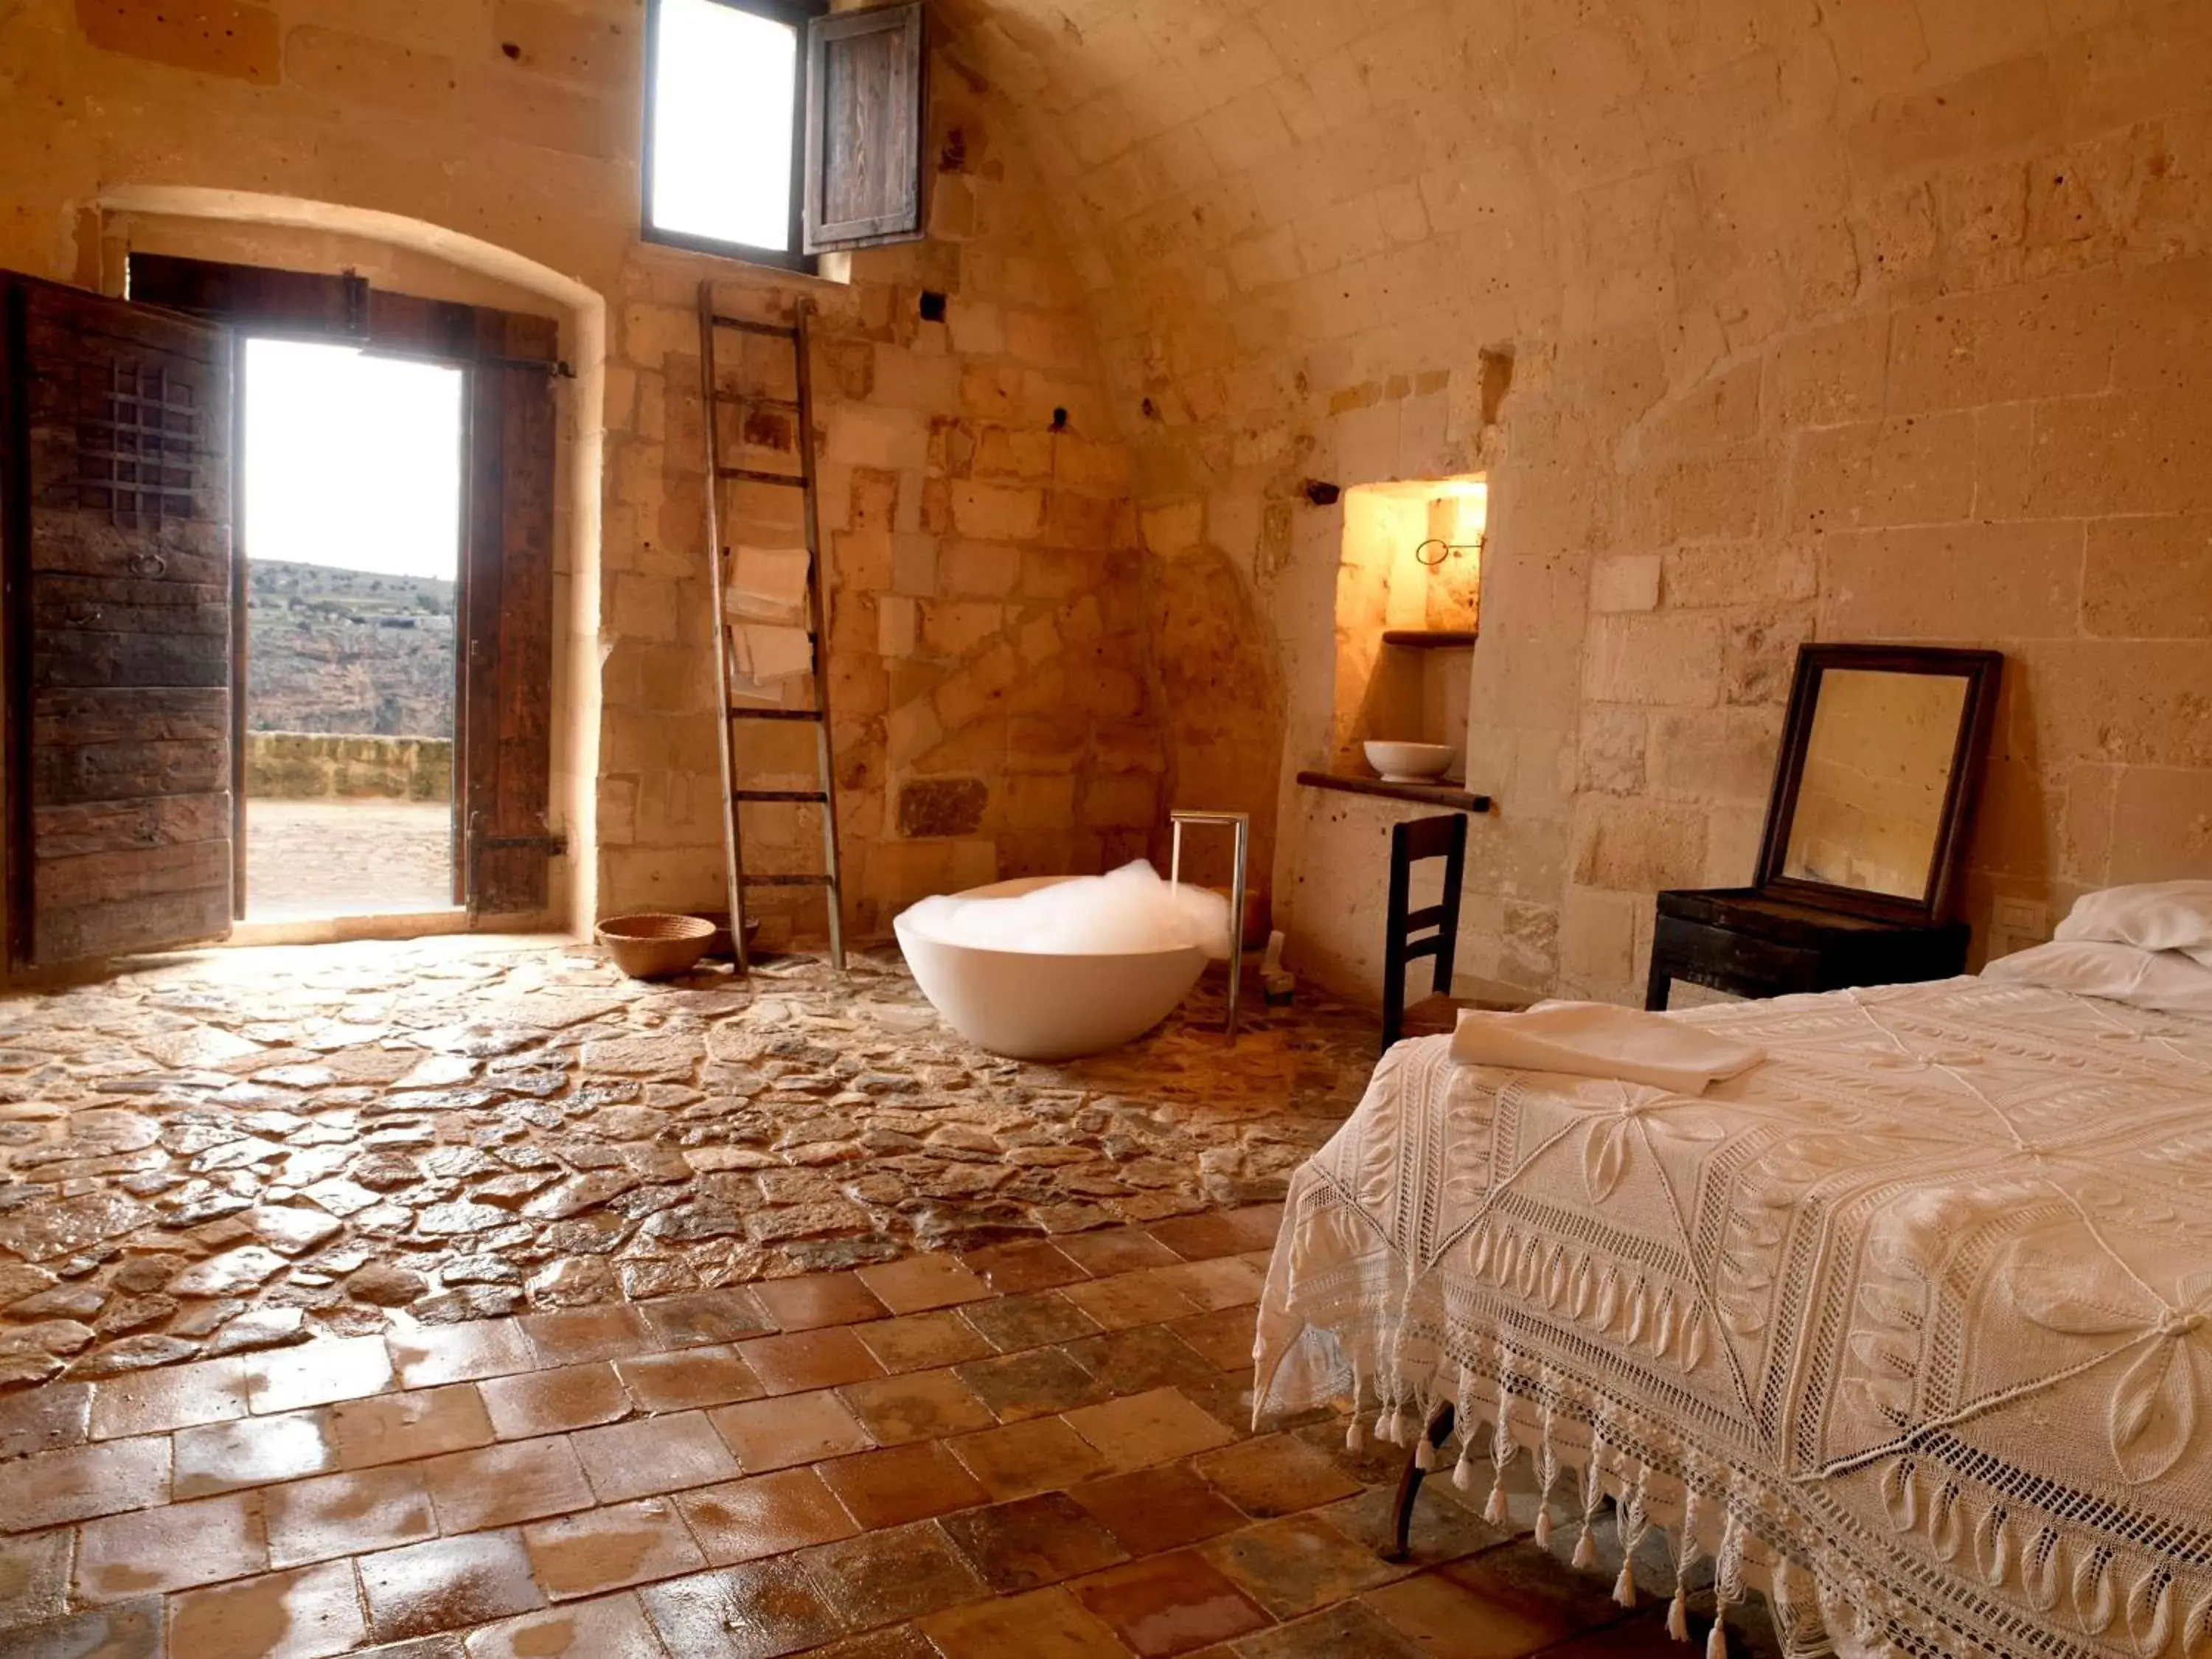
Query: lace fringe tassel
x=1547 y=1474
x=1686 y=1552
x=1629 y=1520
x=1585 y=1554
x=1494 y=1510
x=1502 y=1451
x=1727 y=1582
x=1585 y=1547
x=1396 y=1423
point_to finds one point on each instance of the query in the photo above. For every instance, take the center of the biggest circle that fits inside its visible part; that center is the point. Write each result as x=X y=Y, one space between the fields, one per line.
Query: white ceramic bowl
x=1032 y=1006
x=1408 y=763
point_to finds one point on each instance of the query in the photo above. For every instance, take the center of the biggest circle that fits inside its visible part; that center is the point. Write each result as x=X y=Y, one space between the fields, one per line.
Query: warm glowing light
x=1472 y=488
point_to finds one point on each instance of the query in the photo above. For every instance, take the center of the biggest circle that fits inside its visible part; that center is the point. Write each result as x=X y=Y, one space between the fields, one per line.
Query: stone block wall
x=988 y=668
x=1766 y=322
x=328 y=766
x=988 y=654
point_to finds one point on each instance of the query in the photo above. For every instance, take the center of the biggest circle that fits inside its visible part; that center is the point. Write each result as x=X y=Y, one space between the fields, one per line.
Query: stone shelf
x=1428 y=794
x=1430 y=639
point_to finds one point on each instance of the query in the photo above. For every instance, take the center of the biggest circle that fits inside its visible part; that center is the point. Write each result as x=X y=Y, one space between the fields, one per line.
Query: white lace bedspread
x=1906 y=1328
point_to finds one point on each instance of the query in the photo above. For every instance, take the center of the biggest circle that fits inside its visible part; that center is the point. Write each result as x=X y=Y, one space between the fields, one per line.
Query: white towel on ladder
x=767 y=585
x=764 y=604
x=772 y=651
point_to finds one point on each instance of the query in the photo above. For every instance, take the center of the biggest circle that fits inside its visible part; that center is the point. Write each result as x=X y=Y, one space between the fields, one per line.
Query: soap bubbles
x=1128 y=911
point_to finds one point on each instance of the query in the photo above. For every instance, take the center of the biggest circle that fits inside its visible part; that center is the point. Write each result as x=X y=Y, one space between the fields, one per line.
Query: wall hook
x=1444 y=549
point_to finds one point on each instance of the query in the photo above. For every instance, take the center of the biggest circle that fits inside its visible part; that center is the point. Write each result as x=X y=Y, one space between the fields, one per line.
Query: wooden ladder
x=711 y=324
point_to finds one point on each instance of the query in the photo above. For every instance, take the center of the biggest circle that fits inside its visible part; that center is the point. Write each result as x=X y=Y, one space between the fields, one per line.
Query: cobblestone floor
x=240 y=1150
x=347 y=857
x=1041 y=1450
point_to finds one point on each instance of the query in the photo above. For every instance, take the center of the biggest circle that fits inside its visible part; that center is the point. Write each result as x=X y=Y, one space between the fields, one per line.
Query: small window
x=774 y=132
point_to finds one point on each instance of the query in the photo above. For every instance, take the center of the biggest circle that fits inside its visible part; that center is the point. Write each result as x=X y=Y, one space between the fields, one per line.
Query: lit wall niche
x=1407 y=606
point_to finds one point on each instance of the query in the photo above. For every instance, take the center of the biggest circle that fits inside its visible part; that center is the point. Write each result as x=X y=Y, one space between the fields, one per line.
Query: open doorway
x=352 y=533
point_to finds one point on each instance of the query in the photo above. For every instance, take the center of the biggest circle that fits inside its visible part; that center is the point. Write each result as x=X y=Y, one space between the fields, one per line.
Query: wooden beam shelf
x=1430 y=639
x=1426 y=794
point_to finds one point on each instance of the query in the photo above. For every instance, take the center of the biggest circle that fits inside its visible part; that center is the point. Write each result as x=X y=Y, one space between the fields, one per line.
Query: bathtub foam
x=1128 y=911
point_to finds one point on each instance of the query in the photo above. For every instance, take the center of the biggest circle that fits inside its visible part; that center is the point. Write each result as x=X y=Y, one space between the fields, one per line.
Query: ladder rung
x=775 y=713
x=753 y=475
x=745 y=324
x=777 y=795
x=788 y=405
x=788 y=881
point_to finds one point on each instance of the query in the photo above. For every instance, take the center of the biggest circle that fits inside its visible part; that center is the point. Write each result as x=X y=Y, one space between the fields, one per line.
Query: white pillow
x=2170 y=981
x=2156 y=915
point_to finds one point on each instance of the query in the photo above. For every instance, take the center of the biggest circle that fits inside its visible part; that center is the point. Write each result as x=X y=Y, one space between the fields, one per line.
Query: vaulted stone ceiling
x=1805 y=305
x=1354 y=190
x=1767 y=319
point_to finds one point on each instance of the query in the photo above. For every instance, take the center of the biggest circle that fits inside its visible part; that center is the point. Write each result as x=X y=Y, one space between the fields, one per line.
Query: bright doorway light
x=351 y=532
x=722 y=87
x=352 y=461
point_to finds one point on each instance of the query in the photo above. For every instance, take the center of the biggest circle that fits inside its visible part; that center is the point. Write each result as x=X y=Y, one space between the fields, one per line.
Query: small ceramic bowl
x=1408 y=763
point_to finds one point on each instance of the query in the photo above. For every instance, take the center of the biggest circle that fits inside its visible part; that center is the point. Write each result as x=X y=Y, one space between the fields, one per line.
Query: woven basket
x=652 y=946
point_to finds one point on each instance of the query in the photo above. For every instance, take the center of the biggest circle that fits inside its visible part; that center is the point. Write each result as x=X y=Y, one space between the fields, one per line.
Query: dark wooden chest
x=1752 y=943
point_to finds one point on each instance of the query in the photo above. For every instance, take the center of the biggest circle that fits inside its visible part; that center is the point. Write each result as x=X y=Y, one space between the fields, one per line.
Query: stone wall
x=988 y=668
x=329 y=766
x=1767 y=321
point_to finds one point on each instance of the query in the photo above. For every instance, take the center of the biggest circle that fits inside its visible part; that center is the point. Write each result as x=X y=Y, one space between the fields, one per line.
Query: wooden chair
x=1433 y=931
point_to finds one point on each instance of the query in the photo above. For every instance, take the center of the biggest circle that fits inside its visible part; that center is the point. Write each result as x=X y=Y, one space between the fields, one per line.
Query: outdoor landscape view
x=352 y=538
x=348 y=651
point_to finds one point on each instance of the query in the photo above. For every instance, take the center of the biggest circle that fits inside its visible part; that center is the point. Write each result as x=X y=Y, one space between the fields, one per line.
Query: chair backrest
x=1409 y=934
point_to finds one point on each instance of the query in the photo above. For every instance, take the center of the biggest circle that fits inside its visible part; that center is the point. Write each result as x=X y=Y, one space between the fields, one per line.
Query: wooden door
x=117 y=486
x=502 y=727
x=505 y=770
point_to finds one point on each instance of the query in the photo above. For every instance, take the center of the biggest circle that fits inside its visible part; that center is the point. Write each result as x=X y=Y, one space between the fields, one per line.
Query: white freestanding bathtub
x=1029 y=1005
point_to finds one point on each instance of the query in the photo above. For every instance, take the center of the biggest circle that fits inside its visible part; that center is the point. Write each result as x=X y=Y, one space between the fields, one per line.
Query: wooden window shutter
x=507 y=600
x=865 y=109
x=289 y=304
x=115 y=467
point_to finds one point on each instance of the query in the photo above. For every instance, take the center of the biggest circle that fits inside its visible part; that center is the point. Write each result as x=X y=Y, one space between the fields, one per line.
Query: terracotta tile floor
x=1034 y=1451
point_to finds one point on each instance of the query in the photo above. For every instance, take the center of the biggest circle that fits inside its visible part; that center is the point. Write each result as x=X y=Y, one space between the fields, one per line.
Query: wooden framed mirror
x=1881 y=756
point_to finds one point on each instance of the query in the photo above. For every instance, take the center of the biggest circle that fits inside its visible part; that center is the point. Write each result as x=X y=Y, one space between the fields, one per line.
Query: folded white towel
x=769 y=651
x=1598 y=1039
x=744 y=689
x=766 y=584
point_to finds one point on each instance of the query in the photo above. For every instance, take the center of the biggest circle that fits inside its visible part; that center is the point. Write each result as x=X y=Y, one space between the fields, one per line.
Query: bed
x=1906 y=1328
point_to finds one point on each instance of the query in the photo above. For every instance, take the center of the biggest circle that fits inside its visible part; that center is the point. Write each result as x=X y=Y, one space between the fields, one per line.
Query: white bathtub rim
x=1014 y=889
x=1043 y=1005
